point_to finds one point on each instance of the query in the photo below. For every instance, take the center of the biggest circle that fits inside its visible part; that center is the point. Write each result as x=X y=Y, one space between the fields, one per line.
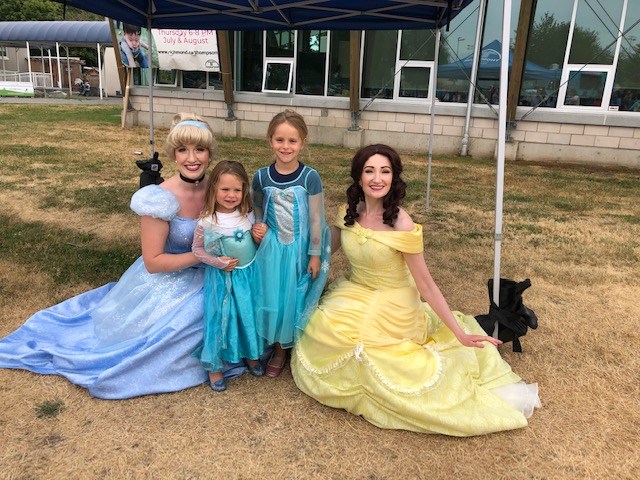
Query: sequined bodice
x=283 y=220
x=240 y=245
x=180 y=235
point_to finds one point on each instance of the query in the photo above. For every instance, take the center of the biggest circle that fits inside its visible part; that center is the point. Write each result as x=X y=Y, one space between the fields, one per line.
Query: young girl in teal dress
x=292 y=262
x=223 y=241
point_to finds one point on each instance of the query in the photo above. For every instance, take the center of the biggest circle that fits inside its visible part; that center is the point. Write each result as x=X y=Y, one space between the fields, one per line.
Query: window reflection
x=585 y=88
x=194 y=79
x=456 y=56
x=249 y=72
x=595 y=32
x=311 y=61
x=626 y=89
x=339 y=64
x=280 y=43
x=546 y=48
x=414 y=82
x=379 y=63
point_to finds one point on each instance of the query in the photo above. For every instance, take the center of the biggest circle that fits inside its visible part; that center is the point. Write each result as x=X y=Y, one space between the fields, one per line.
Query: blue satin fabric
x=125 y=339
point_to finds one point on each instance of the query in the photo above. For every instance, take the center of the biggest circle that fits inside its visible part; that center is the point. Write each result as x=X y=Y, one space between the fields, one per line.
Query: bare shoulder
x=403 y=223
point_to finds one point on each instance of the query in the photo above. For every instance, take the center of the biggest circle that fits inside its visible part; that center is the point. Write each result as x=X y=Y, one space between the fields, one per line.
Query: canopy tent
x=314 y=14
x=78 y=34
x=50 y=34
x=489 y=67
x=277 y=14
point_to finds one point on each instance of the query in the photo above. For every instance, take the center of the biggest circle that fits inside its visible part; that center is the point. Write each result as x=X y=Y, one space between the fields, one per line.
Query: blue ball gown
x=125 y=339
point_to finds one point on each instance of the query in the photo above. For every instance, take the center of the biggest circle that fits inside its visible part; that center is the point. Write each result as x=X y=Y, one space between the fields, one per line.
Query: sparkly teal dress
x=230 y=333
x=285 y=295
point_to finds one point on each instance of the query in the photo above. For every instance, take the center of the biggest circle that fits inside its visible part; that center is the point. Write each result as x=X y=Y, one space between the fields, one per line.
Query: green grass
x=20 y=115
x=42 y=152
x=49 y=409
x=66 y=255
x=101 y=199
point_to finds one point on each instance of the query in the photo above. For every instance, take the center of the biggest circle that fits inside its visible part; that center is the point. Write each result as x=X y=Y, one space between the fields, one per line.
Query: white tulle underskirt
x=522 y=396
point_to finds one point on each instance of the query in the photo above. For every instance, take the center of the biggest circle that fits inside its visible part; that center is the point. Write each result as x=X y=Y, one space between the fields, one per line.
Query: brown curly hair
x=391 y=201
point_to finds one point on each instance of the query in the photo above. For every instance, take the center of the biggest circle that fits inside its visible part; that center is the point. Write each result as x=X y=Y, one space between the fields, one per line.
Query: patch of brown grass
x=572 y=230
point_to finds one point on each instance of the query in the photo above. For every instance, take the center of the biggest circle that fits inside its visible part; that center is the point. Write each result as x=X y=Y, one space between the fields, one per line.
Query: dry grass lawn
x=66 y=176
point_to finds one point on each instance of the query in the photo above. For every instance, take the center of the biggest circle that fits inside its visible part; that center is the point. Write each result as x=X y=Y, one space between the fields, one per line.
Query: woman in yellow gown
x=375 y=349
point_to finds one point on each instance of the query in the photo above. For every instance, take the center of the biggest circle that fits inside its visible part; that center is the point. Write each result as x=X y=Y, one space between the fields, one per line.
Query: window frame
x=281 y=61
x=166 y=85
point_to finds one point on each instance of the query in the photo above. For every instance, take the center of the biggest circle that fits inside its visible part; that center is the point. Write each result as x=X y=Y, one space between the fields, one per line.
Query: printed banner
x=189 y=50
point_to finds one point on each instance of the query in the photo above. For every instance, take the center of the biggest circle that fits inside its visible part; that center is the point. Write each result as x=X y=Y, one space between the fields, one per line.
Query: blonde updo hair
x=181 y=135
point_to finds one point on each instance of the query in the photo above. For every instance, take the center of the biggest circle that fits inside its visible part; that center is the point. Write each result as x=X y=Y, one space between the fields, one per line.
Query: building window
x=277 y=76
x=585 y=88
x=380 y=50
x=278 y=61
x=455 y=58
x=4 y=53
x=594 y=33
x=269 y=61
x=249 y=61
x=165 y=78
x=311 y=62
x=339 y=80
x=215 y=80
x=194 y=80
x=546 y=49
x=626 y=89
x=415 y=64
x=587 y=79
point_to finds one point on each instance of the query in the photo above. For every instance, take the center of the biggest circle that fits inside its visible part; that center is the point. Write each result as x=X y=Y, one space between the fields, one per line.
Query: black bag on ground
x=513 y=317
x=150 y=174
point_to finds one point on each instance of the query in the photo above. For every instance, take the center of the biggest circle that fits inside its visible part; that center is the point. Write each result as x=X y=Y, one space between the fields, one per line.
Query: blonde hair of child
x=232 y=168
x=291 y=117
x=181 y=135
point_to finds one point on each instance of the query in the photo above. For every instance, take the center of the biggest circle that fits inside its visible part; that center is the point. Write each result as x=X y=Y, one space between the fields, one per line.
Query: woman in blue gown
x=136 y=336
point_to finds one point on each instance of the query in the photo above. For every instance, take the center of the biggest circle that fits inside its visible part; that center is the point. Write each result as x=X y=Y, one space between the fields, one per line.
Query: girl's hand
x=476 y=340
x=258 y=231
x=314 y=266
x=231 y=263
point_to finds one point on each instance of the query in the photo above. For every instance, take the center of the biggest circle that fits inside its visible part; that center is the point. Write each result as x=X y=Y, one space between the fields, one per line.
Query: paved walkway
x=64 y=101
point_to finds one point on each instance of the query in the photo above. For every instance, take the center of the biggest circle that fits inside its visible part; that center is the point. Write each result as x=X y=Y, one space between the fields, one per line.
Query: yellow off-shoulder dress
x=375 y=349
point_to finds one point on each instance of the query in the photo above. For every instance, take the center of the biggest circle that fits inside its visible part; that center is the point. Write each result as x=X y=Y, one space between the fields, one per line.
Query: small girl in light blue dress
x=223 y=241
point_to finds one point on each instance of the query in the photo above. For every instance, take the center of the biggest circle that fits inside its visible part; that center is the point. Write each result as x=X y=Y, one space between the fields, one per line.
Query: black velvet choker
x=190 y=180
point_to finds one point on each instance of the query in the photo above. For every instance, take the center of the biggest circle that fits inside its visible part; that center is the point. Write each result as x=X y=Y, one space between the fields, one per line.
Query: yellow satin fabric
x=375 y=349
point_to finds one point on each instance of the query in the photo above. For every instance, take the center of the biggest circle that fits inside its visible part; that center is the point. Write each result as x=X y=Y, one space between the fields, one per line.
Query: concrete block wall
x=531 y=140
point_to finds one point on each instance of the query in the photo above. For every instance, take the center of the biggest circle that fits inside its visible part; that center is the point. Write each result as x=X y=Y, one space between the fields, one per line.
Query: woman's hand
x=258 y=231
x=476 y=340
x=314 y=266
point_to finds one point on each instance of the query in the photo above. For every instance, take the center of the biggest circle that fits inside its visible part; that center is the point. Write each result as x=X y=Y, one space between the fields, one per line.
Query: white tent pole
x=433 y=115
x=502 y=135
x=29 y=63
x=482 y=10
x=150 y=80
x=58 y=62
x=99 y=71
x=50 y=66
x=66 y=49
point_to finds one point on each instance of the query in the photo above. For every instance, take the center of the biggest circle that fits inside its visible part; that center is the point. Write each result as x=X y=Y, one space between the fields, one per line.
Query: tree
x=548 y=41
x=41 y=10
x=26 y=10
